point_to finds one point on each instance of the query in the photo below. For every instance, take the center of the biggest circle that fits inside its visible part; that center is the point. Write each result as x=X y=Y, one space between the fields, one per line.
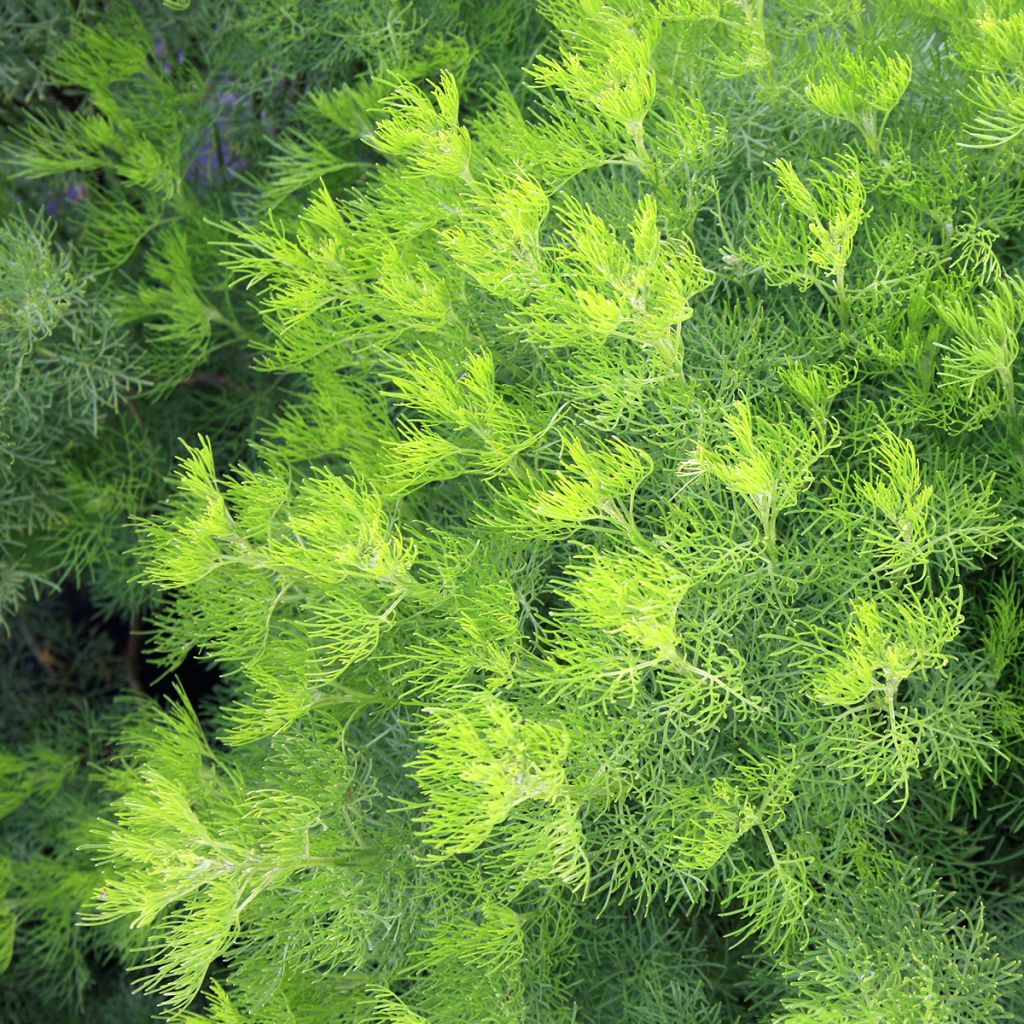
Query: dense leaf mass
x=599 y=497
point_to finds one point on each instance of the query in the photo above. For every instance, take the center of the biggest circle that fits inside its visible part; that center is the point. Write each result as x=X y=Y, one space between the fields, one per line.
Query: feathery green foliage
x=617 y=607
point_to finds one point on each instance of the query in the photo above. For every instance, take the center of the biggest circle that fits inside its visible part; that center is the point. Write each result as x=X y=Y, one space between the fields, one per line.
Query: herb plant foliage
x=617 y=604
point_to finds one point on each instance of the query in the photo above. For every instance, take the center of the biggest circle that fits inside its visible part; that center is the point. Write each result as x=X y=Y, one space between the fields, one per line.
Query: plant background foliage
x=570 y=456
